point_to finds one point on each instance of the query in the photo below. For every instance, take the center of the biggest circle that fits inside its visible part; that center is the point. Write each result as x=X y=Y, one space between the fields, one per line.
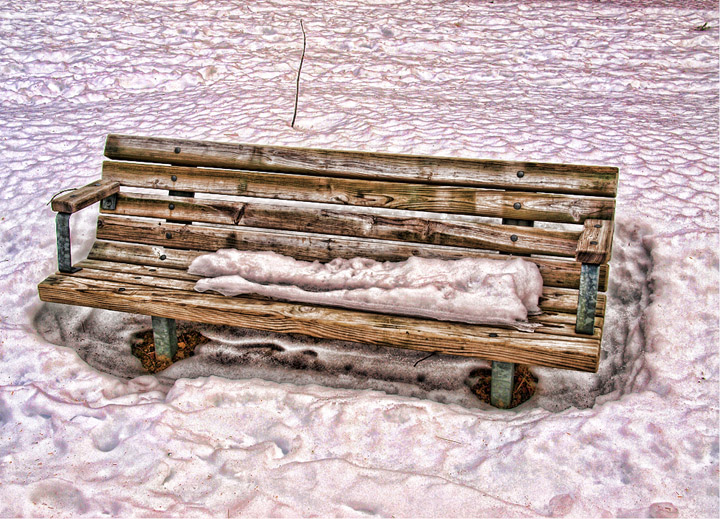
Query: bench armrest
x=72 y=202
x=595 y=242
x=80 y=198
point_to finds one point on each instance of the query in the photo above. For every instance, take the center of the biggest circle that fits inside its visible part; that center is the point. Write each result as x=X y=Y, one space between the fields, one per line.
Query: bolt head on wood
x=514 y=238
x=177 y=149
x=173 y=178
x=520 y=174
x=517 y=205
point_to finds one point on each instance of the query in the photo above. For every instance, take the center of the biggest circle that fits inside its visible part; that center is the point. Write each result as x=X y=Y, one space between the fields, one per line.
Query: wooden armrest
x=595 y=242
x=80 y=198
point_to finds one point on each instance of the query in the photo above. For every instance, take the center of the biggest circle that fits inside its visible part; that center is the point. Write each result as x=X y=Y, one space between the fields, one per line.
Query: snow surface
x=469 y=290
x=290 y=431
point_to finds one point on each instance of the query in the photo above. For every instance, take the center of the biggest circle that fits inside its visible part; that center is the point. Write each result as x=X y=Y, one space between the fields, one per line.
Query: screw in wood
x=168 y=235
x=598 y=226
x=520 y=174
x=517 y=205
x=493 y=335
x=171 y=206
x=121 y=290
x=514 y=237
x=162 y=257
x=593 y=242
x=173 y=178
x=177 y=149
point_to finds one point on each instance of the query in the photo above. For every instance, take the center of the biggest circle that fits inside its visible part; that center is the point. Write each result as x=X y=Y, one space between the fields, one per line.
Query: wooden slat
x=560 y=300
x=452 y=338
x=365 y=193
x=555 y=323
x=268 y=215
x=555 y=273
x=77 y=199
x=595 y=243
x=540 y=177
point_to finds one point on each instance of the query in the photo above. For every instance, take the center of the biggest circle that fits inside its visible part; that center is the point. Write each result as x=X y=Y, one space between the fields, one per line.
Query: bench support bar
x=503 y=373
x=165 y=335
x=587 y=299
x=62 y=227
x=501 y=384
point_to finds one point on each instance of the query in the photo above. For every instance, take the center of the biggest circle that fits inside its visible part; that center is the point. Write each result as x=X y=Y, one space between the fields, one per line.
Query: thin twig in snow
x=297 y=85
x=426 y=357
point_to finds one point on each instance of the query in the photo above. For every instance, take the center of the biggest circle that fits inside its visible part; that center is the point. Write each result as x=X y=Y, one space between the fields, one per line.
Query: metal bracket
x=62 y=228
x=165 y=335
x=587 y=298
x=501 y=384
x=109 y=203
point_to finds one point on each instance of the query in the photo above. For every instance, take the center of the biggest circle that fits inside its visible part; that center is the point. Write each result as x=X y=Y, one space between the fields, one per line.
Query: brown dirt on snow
x=523 y=390
x=143 y=348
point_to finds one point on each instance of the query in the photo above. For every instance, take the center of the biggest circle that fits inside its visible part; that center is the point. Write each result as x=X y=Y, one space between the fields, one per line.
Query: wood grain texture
x=555 y=272
x=365 y=193
x=595 y=243
x=558 y=300
x=308 y=219
x=77 y=199
x=552 y=178
x=552 y=322
x=544 y=349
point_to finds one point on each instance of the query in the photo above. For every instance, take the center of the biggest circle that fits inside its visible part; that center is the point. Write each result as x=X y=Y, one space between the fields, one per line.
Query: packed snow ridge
x=470 y=290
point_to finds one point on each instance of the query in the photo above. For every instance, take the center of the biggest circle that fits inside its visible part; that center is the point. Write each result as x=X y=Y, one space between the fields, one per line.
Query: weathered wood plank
x=366 y=193
x=521 y=176
x=554 y=323
x=452 y=338
x=553 y=299
x=595 y=243
x=555 y=272
x=77 y=199
x=307 y=219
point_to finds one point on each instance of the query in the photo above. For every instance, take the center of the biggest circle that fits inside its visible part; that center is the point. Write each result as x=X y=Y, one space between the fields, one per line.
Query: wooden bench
x=163 y=202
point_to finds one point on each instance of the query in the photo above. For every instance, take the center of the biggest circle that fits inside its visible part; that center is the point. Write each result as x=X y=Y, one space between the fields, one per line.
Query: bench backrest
x=360 y=205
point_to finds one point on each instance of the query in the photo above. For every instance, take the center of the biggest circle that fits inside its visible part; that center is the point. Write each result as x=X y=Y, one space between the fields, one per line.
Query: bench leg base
x=501 y=384
x=165 y=335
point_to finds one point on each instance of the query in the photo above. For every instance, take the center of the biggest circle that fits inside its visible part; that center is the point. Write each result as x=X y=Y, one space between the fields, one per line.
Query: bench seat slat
x=554 y=323
x=366 y=193
x=540 y=177
x=553 y=299
x=569 y=352
x=512 y=239
x=555 y=272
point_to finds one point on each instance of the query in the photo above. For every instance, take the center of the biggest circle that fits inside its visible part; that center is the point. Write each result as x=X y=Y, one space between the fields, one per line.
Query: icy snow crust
x=291 y=431
x=470 y=290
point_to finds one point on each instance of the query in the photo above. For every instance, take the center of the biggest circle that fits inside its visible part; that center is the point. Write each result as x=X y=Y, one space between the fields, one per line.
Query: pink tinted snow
x=470 y=290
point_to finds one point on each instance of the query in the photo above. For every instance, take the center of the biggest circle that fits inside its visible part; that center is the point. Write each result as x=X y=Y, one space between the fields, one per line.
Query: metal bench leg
x=587 y=299
x=501 y=384
x=165 y=335
x=503 y=373
x=62 y=227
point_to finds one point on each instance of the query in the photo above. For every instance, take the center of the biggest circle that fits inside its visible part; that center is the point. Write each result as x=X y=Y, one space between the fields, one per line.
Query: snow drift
x=470 y=290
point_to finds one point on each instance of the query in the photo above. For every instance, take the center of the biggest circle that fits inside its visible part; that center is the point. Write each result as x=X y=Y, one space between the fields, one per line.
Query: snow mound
x=471 y=290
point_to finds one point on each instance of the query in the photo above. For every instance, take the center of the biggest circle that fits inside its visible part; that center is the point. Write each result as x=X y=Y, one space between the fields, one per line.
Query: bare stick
x=297 y=86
